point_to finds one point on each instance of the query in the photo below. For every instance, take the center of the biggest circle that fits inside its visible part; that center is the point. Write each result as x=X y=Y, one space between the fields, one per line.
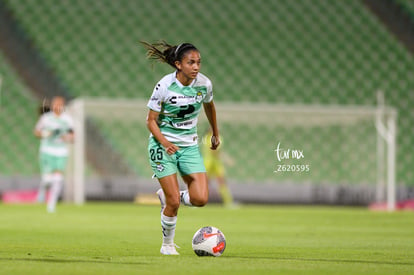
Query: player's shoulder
x=202 y=80
x=66 y=116
x=46 y=116
x=166 y=80
x=161 y=88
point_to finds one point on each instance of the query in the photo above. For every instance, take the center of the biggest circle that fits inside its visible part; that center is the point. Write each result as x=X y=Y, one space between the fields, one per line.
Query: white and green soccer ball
x=209 y=241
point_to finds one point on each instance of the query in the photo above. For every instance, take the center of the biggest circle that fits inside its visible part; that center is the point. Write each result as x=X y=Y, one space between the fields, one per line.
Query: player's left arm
x=210 y=111
x=69 y=137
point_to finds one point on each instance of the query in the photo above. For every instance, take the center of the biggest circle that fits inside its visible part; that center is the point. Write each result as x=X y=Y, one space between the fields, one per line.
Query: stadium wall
x=127 y=188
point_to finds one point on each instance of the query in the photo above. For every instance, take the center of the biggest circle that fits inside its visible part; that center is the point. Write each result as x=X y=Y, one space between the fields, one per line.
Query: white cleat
x=161 y=197
x=169 y=249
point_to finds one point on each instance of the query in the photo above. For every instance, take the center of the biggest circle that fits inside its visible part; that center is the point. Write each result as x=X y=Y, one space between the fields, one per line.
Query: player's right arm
x=37 y=133
x=39 y=130
x=152 y=126
x=154 y=105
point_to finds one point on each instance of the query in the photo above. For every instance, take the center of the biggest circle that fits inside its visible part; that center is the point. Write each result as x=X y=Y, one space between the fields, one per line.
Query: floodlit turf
x=115 y=238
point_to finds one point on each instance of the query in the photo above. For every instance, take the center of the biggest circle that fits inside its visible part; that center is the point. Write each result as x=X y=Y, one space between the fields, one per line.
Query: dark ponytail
x=164 y=52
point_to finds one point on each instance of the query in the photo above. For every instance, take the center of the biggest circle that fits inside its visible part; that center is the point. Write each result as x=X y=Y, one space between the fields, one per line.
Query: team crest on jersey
x=199 y=97
x=160 y=167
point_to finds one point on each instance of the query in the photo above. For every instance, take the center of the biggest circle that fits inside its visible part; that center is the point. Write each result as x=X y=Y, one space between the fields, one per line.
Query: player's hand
x=215 y=142
x=67 y=138
x=171 y=148
x=45 y=133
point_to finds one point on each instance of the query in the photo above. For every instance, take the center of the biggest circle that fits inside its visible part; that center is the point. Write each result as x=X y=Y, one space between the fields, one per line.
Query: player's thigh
x=193 y=171
x=190 y=161
x=197 y=187
x=46 y=163
x=219 y=169
x=208 y=164
x=161 y=163
x=59 y=164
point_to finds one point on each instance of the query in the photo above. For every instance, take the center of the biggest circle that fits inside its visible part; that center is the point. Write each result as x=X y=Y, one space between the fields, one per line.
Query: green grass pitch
x=121 y=238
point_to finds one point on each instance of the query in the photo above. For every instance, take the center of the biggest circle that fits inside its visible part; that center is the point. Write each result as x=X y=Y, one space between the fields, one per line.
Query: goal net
x=272 y=153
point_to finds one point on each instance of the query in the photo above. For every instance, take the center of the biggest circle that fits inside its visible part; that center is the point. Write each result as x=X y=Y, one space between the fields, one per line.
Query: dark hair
x=45 y=107
x=164 y=52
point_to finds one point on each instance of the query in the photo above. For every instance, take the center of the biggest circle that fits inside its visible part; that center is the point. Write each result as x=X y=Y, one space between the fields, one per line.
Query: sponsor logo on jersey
x=185 y=99
x=154 y=98
x=180 y=124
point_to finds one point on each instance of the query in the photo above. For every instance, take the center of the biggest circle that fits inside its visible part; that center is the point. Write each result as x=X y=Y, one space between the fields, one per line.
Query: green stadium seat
x=307 y=51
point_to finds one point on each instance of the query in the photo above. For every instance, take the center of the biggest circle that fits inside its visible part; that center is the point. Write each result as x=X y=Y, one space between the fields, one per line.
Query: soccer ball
x=209 y=241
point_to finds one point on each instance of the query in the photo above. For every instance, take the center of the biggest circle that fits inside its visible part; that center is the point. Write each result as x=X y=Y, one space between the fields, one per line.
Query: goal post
x=335 y=154
x=386 y=125
x=75 y=188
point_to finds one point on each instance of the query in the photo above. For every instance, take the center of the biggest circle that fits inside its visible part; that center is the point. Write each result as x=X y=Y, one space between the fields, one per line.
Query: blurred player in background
x=55 y=130
x=213 y=161
x=173 y=145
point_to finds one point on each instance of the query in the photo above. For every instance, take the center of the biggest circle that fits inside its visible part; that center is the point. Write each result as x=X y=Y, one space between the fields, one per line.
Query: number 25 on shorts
x=156 y=154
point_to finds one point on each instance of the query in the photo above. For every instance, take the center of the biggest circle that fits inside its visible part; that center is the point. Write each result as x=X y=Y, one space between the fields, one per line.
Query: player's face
x=58 y=105
x=190 y=65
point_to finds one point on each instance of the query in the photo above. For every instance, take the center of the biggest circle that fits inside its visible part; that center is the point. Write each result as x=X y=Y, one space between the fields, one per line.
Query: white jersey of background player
x=55 y=129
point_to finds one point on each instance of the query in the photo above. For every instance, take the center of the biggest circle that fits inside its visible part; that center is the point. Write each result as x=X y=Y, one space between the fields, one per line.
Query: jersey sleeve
x=70 y=123
x=209 y=96
x=156 y=99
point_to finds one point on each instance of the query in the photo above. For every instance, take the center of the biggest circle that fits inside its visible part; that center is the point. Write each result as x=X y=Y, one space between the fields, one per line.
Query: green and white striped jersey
x=179 y=107
x=57 y=126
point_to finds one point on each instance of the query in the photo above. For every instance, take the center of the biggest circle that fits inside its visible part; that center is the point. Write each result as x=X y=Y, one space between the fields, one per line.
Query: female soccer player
x=55 y=129
x=172 y=121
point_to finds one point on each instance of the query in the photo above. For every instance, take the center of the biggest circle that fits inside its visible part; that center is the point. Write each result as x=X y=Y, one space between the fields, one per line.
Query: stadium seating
x=311 y=51
x=18 y=111
x=407 y=5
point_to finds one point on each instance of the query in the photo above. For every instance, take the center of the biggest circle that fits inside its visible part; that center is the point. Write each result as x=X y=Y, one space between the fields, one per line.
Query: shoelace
x=173 y=244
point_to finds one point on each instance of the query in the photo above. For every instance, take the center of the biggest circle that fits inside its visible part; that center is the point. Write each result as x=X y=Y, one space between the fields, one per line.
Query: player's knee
x=199 y=200
x=173 y=202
